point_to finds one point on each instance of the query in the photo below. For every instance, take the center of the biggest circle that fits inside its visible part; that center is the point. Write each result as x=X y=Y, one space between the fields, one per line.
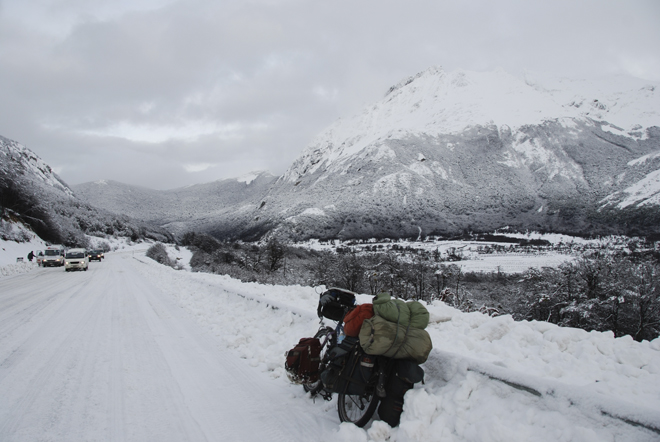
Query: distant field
x=510 y=257
x=514 y=263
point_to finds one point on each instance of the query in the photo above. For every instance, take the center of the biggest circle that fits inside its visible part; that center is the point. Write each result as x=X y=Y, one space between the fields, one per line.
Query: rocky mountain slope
x=32 y=194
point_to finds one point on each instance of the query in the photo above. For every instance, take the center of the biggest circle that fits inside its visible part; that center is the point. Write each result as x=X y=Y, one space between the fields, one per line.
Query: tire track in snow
x=222 y=374
x=44 y=354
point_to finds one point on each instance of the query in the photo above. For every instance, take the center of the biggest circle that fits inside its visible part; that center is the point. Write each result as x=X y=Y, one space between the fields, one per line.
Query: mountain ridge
x=447 y=152
x=181 y=209
x=527 y=158
x=31 y=193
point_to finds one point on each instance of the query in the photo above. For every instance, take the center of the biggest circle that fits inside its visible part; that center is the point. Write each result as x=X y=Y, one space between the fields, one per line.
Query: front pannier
x=302 y=361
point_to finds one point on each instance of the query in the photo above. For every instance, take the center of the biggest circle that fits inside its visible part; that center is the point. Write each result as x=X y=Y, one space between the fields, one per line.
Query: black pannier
x=334 y=303
x=349 y=368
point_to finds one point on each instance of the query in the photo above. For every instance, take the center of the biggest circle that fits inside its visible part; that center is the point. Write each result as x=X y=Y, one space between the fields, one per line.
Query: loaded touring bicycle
x=334 y=362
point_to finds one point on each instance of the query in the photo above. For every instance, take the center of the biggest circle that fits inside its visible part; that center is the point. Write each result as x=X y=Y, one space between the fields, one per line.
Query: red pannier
x=353 y=320
x=302 y=361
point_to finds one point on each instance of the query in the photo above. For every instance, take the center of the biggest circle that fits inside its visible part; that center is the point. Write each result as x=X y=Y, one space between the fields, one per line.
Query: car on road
x=96 y=255
x=53 y=256
x=76 y=259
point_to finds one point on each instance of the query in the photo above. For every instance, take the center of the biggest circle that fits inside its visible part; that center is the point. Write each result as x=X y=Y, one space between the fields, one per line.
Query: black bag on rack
x=349 y=368
x=334 y=303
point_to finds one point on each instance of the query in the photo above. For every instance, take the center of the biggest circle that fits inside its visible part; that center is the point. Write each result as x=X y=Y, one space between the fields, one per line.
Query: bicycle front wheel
x=357 y=409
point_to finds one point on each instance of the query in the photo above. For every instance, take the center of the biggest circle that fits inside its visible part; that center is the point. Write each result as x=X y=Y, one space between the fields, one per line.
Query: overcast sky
x=167 y=93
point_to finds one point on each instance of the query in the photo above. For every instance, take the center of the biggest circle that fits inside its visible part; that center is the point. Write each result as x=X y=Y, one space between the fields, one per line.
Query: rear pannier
x=349 y=368
x=397 y=330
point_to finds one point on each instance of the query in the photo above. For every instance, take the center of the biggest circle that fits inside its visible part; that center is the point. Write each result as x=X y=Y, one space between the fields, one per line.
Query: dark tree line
x=598 y=292
x=246 y=261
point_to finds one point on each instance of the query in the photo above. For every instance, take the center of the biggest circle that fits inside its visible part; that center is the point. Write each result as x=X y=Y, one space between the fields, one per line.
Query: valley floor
x=135 y=351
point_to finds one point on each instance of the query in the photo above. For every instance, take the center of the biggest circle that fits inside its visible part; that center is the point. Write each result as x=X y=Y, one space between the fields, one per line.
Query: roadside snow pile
x=17 y=268
x=180 y=256
x=487 y=379
x=620 y=367
x=11 y=250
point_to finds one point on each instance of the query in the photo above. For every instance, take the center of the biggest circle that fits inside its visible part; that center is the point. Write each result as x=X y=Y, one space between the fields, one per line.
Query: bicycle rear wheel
x=357 y=408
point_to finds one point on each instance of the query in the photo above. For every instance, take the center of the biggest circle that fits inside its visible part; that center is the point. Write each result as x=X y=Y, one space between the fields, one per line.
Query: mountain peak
x=435 y=103
x=28 y=163
x=432 y=71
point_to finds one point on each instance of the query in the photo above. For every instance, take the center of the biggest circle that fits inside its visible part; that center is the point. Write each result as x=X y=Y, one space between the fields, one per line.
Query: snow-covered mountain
x=32 y=194
x=219 y=207
x=444 y=152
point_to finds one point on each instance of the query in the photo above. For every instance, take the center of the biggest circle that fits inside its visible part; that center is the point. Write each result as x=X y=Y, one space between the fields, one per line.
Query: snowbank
x=11 y=250
x=488 y=379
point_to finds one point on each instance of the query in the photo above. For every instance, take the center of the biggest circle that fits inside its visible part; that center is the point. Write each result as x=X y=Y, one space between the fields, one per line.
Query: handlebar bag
x=334 y=303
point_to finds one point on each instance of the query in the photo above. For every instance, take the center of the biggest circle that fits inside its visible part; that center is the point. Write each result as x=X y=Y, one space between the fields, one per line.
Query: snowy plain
x=193 y=356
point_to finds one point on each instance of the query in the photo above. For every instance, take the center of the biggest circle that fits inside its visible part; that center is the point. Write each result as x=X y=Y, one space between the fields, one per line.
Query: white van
x=76 y=259
x=53 y=256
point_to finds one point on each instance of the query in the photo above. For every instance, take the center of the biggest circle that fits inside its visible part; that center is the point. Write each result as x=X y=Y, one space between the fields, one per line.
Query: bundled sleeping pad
x=397 y=330
x=411 y=313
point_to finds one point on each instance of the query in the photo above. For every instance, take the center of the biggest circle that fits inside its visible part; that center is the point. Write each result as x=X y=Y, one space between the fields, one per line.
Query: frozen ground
x=135 y=351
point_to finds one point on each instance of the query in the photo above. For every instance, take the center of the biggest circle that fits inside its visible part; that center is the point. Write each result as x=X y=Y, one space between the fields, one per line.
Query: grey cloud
x=260 y=65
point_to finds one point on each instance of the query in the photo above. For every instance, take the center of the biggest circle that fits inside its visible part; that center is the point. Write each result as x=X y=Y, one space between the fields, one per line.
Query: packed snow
x=487 y=379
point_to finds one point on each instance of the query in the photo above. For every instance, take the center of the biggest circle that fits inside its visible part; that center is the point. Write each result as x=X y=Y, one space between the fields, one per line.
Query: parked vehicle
x=96 y=255
x=76 y=259
x=53 y=256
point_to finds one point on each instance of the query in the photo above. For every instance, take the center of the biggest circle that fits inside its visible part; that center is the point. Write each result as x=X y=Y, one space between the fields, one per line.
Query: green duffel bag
x=379 y=336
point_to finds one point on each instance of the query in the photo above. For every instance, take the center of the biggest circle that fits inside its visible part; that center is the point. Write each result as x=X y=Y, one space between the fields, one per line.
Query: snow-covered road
x=136 y=351
x=103 y=355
